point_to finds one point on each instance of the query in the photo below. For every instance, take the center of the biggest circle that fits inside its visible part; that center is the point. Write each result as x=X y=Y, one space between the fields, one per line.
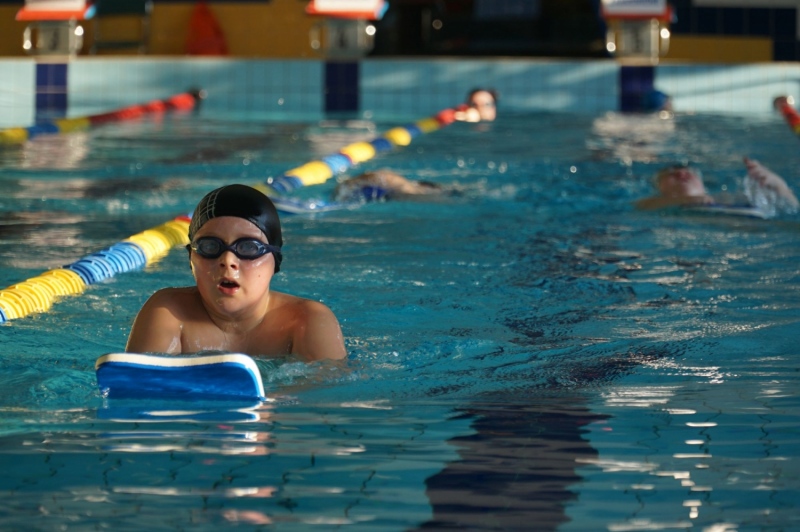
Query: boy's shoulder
x=286 y=301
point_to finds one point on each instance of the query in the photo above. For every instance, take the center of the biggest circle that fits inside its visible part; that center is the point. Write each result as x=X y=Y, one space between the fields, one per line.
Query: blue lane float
x=381 y=145
x=338 y=163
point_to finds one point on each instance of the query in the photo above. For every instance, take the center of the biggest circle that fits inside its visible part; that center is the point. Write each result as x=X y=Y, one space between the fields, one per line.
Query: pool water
x=532 y=353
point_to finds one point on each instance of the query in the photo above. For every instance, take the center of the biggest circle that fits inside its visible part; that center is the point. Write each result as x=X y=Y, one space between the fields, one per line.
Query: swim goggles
x=211 y=247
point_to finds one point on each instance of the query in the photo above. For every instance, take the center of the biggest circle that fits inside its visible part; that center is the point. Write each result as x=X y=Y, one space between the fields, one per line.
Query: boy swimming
x=235 y=249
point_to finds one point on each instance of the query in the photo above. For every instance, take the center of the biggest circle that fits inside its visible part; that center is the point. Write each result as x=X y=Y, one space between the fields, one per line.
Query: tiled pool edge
x=376 y=87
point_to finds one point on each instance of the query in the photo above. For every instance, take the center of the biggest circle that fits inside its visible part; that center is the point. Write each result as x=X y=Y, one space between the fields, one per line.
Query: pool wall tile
x=17 y=85
x=387 y=88
x=736 y=89
x=51 y=91
x=236 y=86
x=634 y=82
x=342 y=86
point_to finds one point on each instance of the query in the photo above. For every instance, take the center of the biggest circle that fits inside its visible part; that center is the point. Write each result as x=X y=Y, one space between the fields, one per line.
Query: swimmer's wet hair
x=472 y=92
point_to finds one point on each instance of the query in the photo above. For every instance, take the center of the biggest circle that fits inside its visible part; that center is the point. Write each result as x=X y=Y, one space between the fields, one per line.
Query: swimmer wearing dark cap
x=235 y=249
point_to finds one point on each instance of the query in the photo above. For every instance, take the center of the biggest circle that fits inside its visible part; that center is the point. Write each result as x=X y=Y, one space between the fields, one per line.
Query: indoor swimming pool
x=531 y=353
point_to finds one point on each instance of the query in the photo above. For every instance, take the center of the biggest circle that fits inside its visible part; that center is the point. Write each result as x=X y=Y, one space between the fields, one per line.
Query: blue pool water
x=530 y=354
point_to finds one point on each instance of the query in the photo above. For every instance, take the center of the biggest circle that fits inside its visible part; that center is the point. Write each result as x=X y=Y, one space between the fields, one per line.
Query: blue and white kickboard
x=213 y=377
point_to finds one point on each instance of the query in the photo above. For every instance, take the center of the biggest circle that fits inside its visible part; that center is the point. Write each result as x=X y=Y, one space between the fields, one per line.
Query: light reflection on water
x=533 y=351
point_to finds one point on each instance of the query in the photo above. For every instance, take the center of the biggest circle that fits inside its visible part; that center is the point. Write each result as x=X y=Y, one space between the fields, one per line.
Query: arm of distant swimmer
x=465 y=113
x=770 y=180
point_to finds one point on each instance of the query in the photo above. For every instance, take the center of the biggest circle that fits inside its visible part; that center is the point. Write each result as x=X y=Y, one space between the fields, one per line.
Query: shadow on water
x=570 y=328
x=518 y=466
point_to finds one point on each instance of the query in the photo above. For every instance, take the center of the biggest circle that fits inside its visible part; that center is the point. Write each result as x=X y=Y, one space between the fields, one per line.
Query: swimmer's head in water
x=680 y=181
x=245 y=202
x=485 y=101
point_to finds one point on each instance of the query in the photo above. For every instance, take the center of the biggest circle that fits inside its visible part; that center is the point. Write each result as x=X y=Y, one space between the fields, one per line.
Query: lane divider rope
x=179 y=102
x=318 y=172
x=39 y=293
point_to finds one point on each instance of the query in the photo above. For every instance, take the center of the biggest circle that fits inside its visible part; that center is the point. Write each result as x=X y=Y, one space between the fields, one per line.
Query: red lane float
x=784 y=105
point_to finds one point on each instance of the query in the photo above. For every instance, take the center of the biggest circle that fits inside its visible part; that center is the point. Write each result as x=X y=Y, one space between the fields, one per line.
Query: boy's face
x=680 y=181
x=228 y=284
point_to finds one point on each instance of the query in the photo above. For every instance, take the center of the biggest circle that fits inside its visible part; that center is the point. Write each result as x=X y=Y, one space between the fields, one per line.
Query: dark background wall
x=532 y=28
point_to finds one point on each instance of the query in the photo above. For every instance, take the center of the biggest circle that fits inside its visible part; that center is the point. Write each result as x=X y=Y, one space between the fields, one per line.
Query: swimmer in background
x=785 y=106
x=383 y=185
x=481 y=106
x=681 y=186
x=235 y=250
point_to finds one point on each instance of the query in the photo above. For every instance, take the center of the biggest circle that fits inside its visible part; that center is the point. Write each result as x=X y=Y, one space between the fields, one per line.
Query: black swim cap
x=245 y=202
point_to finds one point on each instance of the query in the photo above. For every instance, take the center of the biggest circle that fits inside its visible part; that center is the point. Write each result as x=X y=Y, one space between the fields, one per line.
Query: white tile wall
x=17 y=85
x=728 y=89
x=392 y=88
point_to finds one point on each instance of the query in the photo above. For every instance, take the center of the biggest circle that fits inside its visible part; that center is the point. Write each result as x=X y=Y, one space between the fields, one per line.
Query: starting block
x=637 y=30
x=346 y=32
x=54 y=28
